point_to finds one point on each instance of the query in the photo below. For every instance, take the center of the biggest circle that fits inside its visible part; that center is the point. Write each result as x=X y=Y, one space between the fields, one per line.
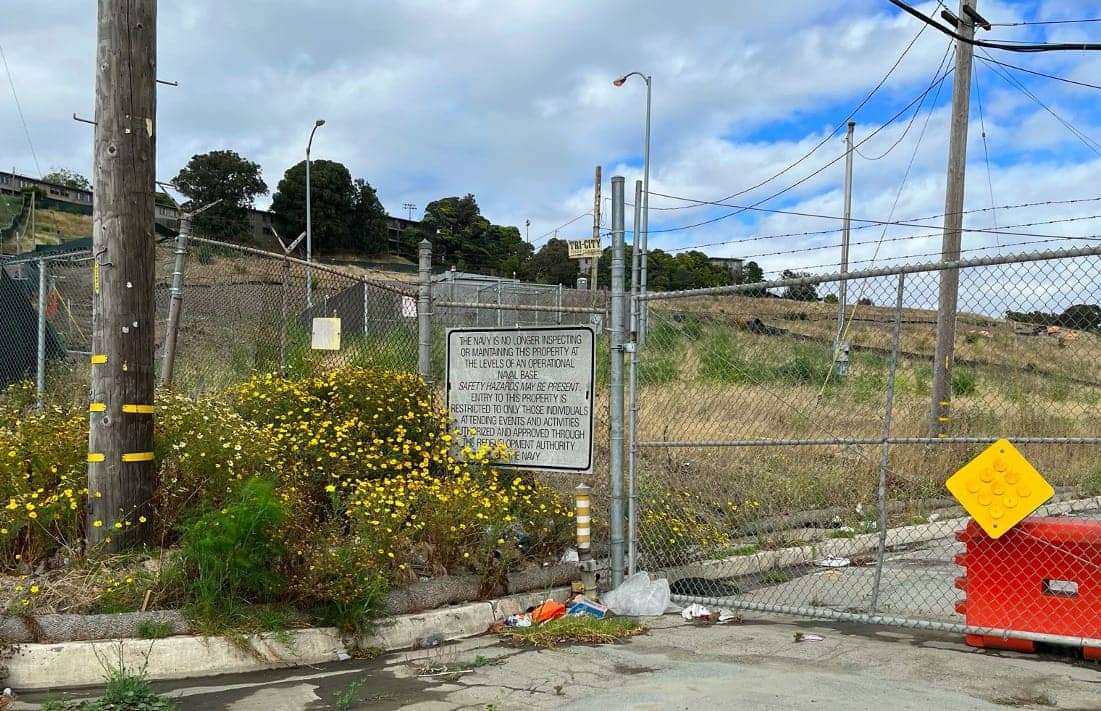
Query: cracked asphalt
x=755 y=664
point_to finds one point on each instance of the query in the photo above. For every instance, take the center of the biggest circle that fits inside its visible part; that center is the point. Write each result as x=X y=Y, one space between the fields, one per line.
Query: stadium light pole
x=309 y=226
x=641 y=325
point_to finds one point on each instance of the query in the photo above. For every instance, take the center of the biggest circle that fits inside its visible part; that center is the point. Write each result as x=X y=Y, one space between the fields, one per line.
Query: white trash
x=694 y=611
x=638 y=596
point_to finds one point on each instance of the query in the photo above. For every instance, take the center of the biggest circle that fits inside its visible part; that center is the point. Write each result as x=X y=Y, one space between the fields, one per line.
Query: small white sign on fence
x=531 y=388
x=408 y=307
x=326 y=334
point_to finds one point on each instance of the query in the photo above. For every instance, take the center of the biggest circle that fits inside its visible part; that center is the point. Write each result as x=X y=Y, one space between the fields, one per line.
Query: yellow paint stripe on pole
x=138 y=409
x=97 y=407
x=98 y=359
x=96 y=456
x=137 y=457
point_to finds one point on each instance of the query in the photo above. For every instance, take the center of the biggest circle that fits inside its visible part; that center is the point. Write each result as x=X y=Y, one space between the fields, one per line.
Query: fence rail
x=780 y=464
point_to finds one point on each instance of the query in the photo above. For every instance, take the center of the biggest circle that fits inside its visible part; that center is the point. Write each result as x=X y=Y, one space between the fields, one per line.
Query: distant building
x=731 y=264
x=14 y=184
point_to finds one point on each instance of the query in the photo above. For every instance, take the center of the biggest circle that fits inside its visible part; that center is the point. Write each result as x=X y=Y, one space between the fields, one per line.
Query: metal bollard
x=583 y=516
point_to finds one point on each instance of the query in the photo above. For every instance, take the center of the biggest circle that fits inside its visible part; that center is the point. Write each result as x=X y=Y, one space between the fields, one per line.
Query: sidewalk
x=753 y=665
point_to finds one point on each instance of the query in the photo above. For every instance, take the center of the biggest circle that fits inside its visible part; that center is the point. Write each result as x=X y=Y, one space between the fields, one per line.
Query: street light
x=641 y=286
x=309 y=231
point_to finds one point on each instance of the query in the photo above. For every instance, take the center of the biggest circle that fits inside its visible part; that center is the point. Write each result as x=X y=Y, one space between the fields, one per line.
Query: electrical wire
x=1086 y=140
x=741 y=209
x=917 y=112
x=1056 y=77
x=906 y=222
x=844 y=122
x=551 y=232
x=1025 y=23
x=19 y=110
x=986 y=154
x=1006 y=45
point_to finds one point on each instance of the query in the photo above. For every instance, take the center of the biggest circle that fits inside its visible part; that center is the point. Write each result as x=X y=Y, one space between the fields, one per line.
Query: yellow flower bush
x=375 y=485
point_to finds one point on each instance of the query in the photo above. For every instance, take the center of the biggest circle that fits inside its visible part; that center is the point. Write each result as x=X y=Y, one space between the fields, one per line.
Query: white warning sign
x=530 y=388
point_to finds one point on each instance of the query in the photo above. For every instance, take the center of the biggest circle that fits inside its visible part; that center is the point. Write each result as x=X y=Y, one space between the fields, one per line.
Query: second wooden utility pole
x=120 y=439
x=944 y=353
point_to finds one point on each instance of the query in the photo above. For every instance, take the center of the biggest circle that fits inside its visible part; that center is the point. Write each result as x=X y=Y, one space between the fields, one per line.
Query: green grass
x=154 y=629
x=573 y=630
x=9 y=208
x=727 y=358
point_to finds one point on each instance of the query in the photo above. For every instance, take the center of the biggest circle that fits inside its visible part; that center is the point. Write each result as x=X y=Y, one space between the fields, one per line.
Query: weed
x=126 y=689
x=233 y=554
x=964 y=381
x=348 y=694
x=573 y=630
x=153 y=629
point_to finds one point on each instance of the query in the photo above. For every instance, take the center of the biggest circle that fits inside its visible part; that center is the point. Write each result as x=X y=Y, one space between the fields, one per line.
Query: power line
x=844 y=122
x=1044 y=22
x=797 y=183
x=929 y=254
x=550 y=232
x=906 y=222
x=929 y=235
x=986 y=152
x=1086 y=140
x=1006 y=45
x=1056 y=77
x=19 y=110
x=917 y=112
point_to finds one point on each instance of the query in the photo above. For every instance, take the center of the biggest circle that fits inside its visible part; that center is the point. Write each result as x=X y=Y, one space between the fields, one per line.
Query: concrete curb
x=70 y=665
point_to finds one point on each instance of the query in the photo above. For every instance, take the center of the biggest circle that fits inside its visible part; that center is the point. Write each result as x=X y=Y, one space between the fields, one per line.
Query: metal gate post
x=40 y=379
x=615 y=397
x=176 y=302
x=424 y=311
x=885 y=453
x=632 y=394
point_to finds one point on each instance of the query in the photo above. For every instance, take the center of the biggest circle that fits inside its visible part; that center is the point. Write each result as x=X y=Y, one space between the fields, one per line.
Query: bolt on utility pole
x=594 y=262
x=120 y=438
x=944 y=353
x=840 y=349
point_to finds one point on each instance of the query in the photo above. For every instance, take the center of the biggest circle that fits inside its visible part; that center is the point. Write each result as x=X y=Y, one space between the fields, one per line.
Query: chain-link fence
x=781 y=462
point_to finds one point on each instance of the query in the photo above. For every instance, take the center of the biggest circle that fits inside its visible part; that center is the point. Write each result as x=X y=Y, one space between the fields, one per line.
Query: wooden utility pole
x=120 y=439
x=944 y=353
x=595 y=261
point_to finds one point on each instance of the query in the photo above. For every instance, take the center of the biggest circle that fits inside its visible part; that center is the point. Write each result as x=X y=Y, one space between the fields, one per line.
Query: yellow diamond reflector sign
x=999 y=488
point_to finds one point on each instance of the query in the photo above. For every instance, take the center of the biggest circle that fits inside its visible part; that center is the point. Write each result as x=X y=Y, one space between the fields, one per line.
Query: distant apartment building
x=730 y=264
x=14 y=184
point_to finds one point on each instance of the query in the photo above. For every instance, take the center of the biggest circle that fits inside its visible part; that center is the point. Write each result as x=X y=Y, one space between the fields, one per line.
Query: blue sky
x=514 y=102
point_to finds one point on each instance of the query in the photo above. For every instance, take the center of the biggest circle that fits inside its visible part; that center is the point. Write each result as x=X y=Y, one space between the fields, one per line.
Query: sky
x=514 y=102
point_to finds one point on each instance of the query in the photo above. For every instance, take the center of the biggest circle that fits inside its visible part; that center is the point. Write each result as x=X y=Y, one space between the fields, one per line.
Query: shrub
x=342 y=580
x=235 y=555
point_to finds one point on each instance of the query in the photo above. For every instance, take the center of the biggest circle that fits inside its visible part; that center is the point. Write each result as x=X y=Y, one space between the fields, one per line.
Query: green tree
x=552 y=265
x=344 y=214
x=751 y=273
x=68 y=178
x=799 y=292
x=462 y=237
x=225 y=176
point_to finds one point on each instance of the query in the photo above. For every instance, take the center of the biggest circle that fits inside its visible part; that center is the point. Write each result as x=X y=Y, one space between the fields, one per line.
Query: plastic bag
x=638 y=596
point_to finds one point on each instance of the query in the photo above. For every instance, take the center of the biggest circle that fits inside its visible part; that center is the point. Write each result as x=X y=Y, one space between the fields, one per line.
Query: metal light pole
x=645 y=199
x=309 y=227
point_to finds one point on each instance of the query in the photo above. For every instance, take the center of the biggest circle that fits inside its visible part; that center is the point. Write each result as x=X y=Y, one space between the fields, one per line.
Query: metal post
x=615 y=415
x=885 y=453
x=40 y=380
x=841 y=364
x=595 y=261
x=424 y=311
x=283 y=322
x=309 y=235
x=168 y=361
x=583 y=513
x=632 y=399
x=500 y=311
x=558 y=317
x=953 y=222
x=643 y=314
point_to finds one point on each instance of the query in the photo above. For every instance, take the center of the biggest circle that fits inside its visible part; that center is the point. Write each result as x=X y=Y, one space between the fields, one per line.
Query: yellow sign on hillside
x=999 y=488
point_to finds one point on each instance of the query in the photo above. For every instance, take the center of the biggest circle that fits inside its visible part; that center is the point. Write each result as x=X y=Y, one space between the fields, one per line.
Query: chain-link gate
x=779 y=463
